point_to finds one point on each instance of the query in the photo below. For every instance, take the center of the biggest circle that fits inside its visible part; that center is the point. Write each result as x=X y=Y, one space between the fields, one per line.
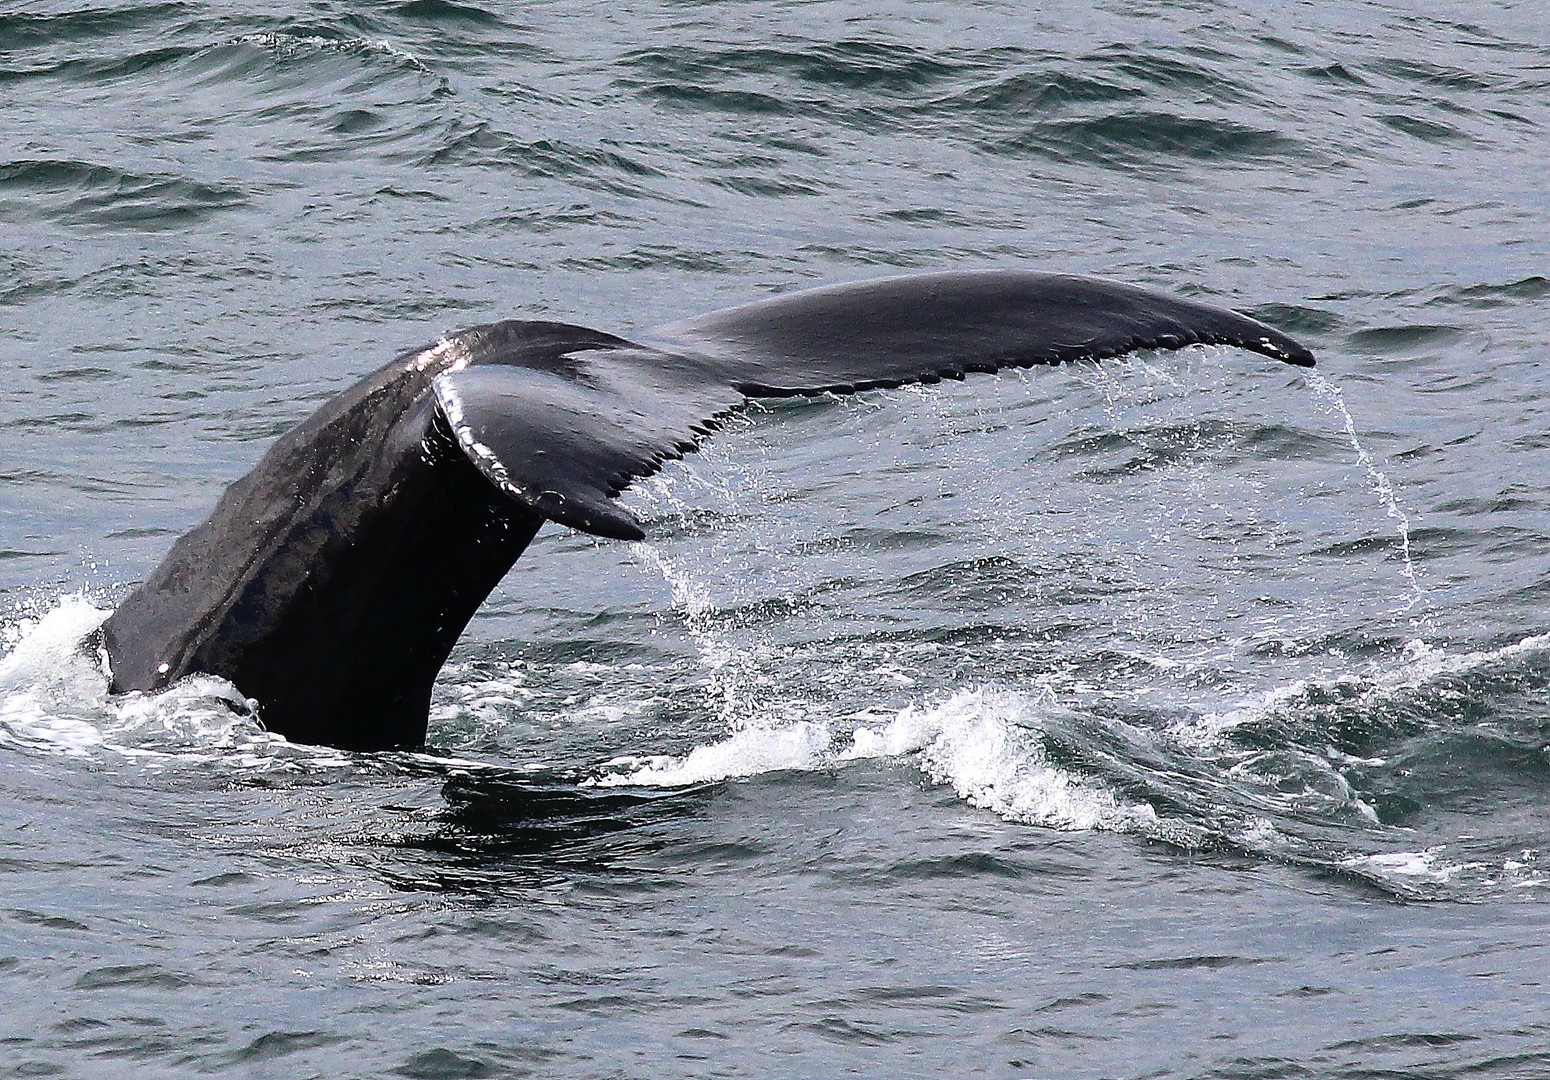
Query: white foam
x=804 y=745
x=988 y=746
x=1426 y=867
x=54 y=700
x=50 y=689
x=286 y=45
x=984 y=744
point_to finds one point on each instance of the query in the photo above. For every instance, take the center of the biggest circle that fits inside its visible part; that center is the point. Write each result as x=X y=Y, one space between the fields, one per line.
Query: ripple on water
x=81 y=193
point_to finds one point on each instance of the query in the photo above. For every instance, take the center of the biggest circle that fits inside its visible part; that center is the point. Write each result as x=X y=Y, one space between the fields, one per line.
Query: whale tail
x=333 y=580
x=566 y=439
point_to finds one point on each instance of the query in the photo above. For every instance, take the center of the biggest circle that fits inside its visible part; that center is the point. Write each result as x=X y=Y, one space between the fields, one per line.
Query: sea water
x=1179 y=716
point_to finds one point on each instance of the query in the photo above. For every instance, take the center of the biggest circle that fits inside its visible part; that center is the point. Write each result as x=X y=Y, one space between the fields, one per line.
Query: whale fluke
x=333 y=580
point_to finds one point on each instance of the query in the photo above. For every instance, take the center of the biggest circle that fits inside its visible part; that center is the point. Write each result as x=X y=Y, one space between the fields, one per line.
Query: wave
x=1305 y=773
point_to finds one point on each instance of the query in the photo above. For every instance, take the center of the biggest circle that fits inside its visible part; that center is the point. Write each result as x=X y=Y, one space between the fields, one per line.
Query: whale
x=331 y=582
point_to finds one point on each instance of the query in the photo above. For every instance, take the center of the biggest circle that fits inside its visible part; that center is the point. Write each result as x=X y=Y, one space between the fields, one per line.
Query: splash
x=1333 y=401
x=54 y=701
x=287 y=45
x=50 y=689
x=986 y=745
x=1264 y=777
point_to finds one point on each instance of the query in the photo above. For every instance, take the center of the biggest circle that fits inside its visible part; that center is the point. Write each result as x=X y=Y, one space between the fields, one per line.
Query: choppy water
x=1181 y=717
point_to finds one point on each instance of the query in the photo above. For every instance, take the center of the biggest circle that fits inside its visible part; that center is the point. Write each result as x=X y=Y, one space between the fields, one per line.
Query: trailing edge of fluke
x=332 y=581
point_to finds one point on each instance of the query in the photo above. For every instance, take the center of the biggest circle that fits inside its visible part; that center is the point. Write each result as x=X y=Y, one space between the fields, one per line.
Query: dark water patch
x=274 y=912
x=701 y=1033
x=524 y=816
x=876 y=538
x=78 y=1024
x=899 y=258
x=1283 y=441
x=1429 y=130
x=356 y=121
x=1404 y=340
x=837 y=1029
x=77 y=421
x=1379 y=643
x=1335 y=73
x=737 y=102
x=1270 y=41
x=1433 y=783
x=1309 y=992
x=1405 y=1041
x=227 y=879
x=445 y=11
x=439 y=1063
x=47 y=922
x=1422 y=73
x=1512 y=117
x=133 y=976
x=961 y=865
x=1093 y=444
x=1034 y=92
x=1537 y=440
x=1358 y=717
x=852 y=65
x=86 y=374
x=321 y=24
x=1295 y=318
x=1076 y=1001
x=1155 y=69
x=770 y=187
x=1185 y=963
x=1113 y=74
x=30 y=476
x=279 y=1044
x=925 y=216
x=484 y=145
x=19 y=29
x=1147 y=139
x=951 y=999
x=93 y=72
x=611 y=644
x=1486 y=296
x=974 y=584
x=1502 y=543
x=1513 y=498
x=1361 y=547
x=652 y=257
x=82 y=193
x=607 y=1007
x=1260 y=1068
x=411 y=194
x=544 y=219
x=1162 y=446
x=1345 y=715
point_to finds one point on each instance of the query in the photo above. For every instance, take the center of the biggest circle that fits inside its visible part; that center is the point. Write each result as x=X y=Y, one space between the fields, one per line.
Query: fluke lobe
x=331 y=582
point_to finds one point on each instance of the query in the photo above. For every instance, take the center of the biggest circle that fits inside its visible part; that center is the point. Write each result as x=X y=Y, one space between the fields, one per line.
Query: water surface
x=1182 y=716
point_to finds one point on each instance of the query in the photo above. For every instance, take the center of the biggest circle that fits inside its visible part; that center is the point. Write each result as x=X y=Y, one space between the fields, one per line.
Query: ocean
x=1183 y=715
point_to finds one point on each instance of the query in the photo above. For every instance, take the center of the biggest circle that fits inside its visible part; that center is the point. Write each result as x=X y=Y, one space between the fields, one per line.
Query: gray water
x=1182 y=716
